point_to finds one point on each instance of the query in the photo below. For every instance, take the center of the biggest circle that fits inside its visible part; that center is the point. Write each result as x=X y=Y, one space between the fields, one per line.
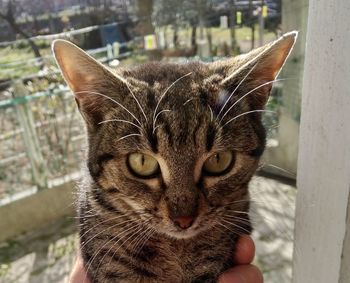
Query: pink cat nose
x=184 y=221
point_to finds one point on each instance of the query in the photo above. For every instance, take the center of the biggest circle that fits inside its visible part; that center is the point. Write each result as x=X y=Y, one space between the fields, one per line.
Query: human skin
x=243 y=272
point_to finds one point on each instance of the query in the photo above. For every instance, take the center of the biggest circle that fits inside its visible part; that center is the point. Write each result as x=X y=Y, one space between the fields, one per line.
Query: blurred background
x=41 y=133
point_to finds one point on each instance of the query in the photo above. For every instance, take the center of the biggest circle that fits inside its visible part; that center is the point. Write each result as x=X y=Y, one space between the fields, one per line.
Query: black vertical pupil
x=143 y=160
x=217 y=156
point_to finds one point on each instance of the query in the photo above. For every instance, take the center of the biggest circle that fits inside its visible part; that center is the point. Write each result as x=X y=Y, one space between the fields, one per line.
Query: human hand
x=79 y=274
x=243 y=272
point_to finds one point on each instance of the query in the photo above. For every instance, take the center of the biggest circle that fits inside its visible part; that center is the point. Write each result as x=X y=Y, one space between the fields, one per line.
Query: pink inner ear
x=81 y=82
x=280 y=56
x=268 y=68
x=78 y=71
x=77 y=78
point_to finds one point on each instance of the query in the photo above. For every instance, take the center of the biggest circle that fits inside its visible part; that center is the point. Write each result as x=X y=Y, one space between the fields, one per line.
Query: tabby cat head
x=175 y=143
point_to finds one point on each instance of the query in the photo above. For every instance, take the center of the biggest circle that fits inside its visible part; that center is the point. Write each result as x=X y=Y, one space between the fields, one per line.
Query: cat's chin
x=181 y=234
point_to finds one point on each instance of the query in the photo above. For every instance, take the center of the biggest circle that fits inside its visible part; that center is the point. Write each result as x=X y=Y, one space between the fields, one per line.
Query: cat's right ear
x=86 y=77
x=256 y=70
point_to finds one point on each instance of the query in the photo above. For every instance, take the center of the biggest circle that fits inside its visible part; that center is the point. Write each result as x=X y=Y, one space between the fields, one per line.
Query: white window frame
x=322 y=240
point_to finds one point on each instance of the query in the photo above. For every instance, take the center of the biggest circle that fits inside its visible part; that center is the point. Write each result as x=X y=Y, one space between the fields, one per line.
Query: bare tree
x=9 y=17
x=145 y=10
x=233 y=10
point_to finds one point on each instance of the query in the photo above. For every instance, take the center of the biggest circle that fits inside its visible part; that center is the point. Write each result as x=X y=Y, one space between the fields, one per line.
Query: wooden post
x=110 y=55
x=322 y=242
x=31 y=141
x=233 y=11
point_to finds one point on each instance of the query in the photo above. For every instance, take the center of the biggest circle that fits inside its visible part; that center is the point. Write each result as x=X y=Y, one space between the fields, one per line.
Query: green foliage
x=14 y=60
x=23 y=44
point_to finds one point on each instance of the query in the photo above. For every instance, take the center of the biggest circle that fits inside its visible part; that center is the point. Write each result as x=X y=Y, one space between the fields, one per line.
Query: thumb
x=242 y=274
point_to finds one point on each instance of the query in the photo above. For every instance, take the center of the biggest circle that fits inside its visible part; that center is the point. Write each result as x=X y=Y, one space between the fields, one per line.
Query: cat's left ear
x=79 y=69
x=91 y=82
x=258 y=68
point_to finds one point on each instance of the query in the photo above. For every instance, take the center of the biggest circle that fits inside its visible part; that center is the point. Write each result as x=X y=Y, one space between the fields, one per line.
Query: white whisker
x=279 y=168
x=227 y=228
x=138 y=229
x=139 y=247
x=188 y=100
x=246 y=113
x=120 y=120
x=113 y=100
x=138 y=103
x=100 y=232
x=139 y=240
x=239 y=219
x=249 y=92
x=238 y=226
x=165 y=92
x=211 y=113
x=89 y=263
x=234 y=91
x=156 y=128
x=155 y=120
x=127 y=136
x=239 y=212
x=124 y=233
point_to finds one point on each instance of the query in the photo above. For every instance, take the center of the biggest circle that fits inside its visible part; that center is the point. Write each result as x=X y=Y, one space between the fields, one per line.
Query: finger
x=245 y=250
x=79 y=274
x=242 y=274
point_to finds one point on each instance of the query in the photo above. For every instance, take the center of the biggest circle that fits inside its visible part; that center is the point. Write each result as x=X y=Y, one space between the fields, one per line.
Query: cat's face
x=174 y=145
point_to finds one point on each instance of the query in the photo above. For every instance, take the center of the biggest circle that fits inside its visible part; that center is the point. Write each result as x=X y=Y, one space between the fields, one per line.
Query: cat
x=171 y=151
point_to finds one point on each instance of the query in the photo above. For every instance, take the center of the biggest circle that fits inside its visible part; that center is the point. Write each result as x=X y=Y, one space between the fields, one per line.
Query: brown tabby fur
x=126 y=230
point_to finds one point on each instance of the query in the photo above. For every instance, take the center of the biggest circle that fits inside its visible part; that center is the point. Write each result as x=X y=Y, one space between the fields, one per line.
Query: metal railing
x=41 y=132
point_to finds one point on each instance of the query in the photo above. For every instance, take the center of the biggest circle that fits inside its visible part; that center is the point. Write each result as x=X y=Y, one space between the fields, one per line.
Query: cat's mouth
x=174 y=230
x=178 y=233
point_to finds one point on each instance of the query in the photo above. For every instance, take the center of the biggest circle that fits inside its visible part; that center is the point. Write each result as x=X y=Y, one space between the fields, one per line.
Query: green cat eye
x=142 y=164
x=218 y=162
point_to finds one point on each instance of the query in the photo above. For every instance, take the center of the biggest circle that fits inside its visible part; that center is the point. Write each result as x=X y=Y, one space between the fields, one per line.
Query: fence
x=41 y=136
x=34 y=65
